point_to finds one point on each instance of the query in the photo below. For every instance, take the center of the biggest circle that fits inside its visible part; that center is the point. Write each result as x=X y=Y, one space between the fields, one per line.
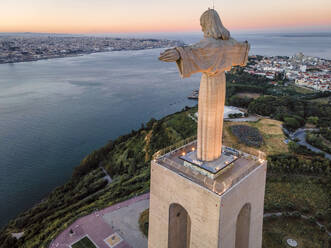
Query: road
x=300 y=134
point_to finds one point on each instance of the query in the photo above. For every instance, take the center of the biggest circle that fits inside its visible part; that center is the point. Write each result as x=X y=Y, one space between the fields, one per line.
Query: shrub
x=317 y=141
x=290 y=206
x=312 y=120
x=250 y=136
x=305 y=210
x=296 y=214
x=326 y=133
x=10 y=242
x=312 y=220
x=286 y=214
x=291 y=123
x=277 y=206
x=143 y=222
x=300 y=149
x=242 y=102
x=291 y=163
x=236 y=115
x=319 y=216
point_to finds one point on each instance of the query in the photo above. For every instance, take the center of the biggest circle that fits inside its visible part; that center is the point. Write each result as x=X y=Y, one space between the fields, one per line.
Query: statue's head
x=212 y=26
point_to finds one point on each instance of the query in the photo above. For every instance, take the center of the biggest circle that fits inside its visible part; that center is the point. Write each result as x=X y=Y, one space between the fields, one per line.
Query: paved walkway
x=125 y=222
x=251 y=118
x=95 y=226
x=107 y=177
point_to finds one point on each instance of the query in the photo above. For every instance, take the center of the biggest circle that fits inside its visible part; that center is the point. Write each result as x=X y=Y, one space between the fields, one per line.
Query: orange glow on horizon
x=100 y=16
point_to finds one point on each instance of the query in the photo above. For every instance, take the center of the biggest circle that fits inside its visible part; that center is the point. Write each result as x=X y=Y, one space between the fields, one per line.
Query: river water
x=54 y=112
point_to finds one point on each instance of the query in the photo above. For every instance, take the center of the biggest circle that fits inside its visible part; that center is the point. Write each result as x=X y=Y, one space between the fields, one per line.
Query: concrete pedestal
x=189 y=209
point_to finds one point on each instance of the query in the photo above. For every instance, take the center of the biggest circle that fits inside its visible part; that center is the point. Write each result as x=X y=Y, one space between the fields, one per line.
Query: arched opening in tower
x=243 y=226
x=179 y=227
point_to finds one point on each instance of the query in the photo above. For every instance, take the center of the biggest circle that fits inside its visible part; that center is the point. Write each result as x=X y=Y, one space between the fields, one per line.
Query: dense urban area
x=30 y=48
x=305 y=71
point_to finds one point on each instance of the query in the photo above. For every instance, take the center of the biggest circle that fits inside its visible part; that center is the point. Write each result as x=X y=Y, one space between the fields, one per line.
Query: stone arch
x=179 y=231
x=243 y=227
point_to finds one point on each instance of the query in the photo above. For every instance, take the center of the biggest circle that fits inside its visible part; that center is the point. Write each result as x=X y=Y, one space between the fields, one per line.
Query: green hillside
x=297 y=180
x=126 y=160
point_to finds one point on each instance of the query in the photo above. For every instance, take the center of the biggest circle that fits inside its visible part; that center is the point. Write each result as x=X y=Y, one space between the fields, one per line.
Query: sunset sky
x=114 y=16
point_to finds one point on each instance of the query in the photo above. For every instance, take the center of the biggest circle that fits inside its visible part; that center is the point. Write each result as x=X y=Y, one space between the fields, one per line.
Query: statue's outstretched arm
x=170 y=55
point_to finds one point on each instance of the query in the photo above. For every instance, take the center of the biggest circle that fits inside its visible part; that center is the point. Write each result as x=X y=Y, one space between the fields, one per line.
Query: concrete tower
x=204 y=194
x=207 y=205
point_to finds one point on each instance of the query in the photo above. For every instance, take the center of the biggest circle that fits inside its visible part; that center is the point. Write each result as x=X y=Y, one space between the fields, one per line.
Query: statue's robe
x=212 y=58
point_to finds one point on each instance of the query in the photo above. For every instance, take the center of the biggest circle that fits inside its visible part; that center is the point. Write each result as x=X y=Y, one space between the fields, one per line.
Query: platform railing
x=174 y=147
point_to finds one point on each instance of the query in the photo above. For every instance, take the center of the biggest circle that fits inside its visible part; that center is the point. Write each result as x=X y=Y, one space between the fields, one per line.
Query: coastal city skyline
x=156 y=16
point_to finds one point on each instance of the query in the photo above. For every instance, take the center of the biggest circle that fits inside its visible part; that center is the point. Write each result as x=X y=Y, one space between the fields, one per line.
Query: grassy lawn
x=248 y=95
x=305 y=194
x=84 y=243
x=301 y=90
x=322 y=100
x=277 y=230
x=271 y=131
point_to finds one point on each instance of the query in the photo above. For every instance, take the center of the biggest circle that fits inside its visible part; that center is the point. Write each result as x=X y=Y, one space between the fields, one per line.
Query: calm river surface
x=54 y=112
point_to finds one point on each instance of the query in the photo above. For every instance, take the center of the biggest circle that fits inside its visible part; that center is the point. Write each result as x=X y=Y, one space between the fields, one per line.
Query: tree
x=10 y=242
x=240 y=101
x=313 y=120
x=291 y=123
x=149 y=124
x=132 y=167
x=293 y=146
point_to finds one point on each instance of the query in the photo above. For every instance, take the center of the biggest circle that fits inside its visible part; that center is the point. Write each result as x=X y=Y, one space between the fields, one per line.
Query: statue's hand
x=169 y=55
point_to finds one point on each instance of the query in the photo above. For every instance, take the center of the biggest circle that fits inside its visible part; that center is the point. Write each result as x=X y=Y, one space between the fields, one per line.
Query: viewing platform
x=217 y=175
x=218 y=203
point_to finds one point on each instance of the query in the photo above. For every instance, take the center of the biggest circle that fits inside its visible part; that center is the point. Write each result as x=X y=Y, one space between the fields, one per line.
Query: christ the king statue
x=212 y=56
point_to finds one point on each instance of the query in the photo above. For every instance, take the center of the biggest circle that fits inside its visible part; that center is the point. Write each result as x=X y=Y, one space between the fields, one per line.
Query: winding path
x=300 y=134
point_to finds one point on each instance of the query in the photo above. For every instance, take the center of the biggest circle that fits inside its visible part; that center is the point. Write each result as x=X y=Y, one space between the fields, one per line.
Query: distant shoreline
x=26 y=49
x=79 y=55
x=34 y=60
